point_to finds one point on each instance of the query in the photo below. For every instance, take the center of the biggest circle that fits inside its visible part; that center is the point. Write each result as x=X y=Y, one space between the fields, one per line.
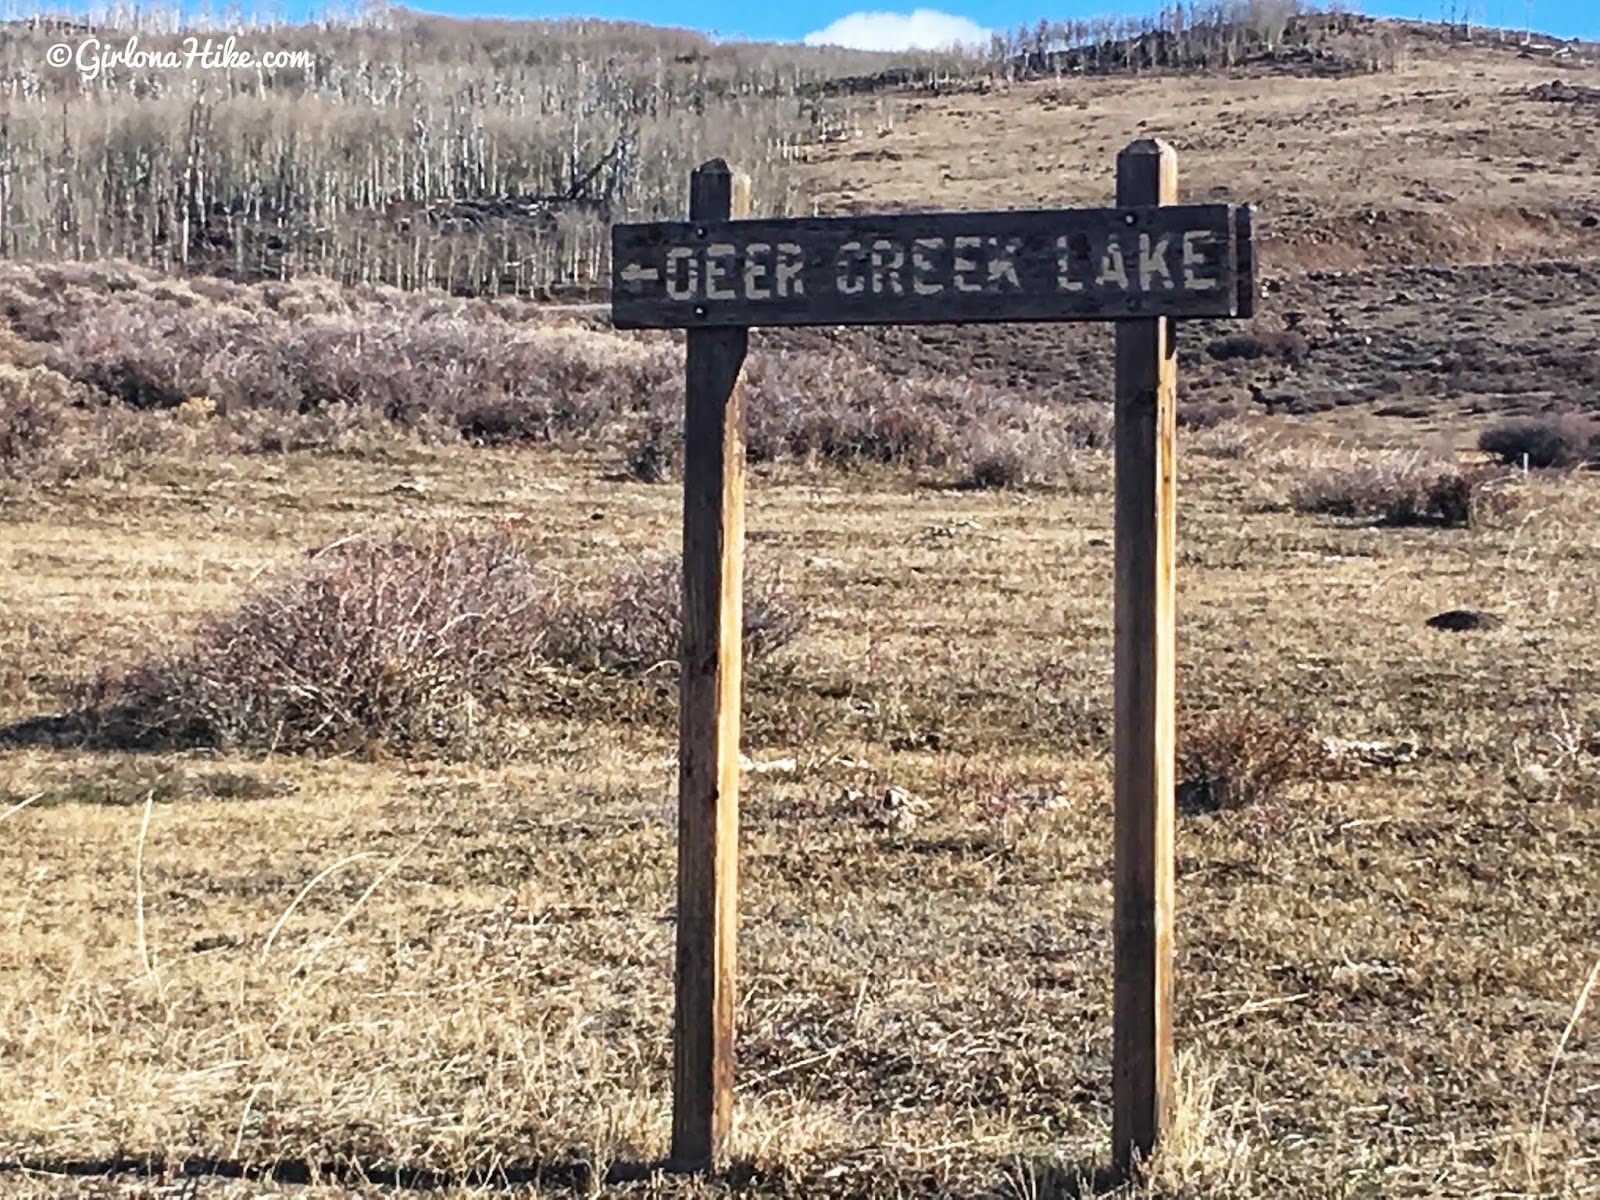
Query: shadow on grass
x=1074 y=1181
x=91 y=729
x=577 y=1175
x=1041 y=1181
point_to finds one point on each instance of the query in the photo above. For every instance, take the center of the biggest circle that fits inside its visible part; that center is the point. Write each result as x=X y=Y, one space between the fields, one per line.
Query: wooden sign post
x=1142 y=264
x=710 y=675
x=1145 y=693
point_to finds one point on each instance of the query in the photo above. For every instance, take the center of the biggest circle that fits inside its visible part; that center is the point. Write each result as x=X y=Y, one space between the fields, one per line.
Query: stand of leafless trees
x=484 y=157
x=1217 y=35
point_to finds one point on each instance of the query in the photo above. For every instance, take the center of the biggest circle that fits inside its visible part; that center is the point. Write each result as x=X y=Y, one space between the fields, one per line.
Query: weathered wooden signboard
x=1141 y=265
x=1071 y=265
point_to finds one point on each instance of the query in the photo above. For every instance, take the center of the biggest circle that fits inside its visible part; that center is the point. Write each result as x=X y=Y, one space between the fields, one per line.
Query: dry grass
x=477 y=975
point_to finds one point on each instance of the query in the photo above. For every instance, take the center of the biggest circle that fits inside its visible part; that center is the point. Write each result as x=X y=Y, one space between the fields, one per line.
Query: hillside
x=1432 y=229
x=1458 y=153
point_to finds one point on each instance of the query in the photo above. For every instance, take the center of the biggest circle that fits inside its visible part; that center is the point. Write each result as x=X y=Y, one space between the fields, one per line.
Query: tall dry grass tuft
x=1407 y=492
x=1204 y=1151
x=1238 y=758
x=1535 y=1147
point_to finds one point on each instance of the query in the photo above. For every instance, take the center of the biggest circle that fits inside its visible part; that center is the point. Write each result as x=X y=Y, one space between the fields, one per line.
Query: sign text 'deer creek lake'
x=1064 y=265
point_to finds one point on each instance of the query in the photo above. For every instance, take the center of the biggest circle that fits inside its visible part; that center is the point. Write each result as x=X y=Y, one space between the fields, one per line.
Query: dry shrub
x=420 y=642
x=657 y=456
x=310 y=348
x=997 y=461
x=144 y=352
x=1403 y=493
x=1205 y=415
x=33 y=414
x=838 y=409
x=1236 y=759
x=635 y=624
x=1566 y=440
x=1283 y=345
x=52 y=430
x=305 y=298
x=340 y=429
x=403 y=642
x=495 y=386
x=303 y=365
x=220 y=291
x=1010 y=456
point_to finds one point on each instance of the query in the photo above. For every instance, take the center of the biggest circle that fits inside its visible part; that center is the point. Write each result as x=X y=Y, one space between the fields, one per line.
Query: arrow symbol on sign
x=634 y=273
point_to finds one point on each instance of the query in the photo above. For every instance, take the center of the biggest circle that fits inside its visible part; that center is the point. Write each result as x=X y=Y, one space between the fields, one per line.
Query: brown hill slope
x=1430 y=231
x=1464 y=153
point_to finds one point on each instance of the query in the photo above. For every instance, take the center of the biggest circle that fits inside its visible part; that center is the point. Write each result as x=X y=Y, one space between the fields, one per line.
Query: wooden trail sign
x=1069 y=265
x=1141 y=264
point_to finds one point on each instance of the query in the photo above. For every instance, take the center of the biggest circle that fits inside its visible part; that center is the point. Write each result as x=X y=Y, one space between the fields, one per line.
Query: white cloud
x=921 y=29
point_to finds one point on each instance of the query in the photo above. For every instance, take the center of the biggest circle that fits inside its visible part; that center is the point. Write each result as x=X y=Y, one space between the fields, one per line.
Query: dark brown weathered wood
x=1065 y=265
x=1244 y=241
x=708 y=718
x=1146 y=530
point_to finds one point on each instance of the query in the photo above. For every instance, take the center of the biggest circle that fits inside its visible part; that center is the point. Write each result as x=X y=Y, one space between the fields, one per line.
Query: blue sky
x=789 y=21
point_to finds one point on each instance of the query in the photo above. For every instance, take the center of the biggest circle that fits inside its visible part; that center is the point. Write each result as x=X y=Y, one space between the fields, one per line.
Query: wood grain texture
x=1146 y=529
x=1063 y=265
x=709 y=717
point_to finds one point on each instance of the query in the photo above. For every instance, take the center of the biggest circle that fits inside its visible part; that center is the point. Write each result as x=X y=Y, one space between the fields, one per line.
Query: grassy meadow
x=337 y=736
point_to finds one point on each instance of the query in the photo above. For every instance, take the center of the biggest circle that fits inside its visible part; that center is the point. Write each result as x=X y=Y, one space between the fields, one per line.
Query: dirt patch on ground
x=1559 y=91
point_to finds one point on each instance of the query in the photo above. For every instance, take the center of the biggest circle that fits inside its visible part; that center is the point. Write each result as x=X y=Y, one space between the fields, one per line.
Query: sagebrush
x=1565 y=440
x=411 y=643
x=1243 y=757
x=635 y=623
x=282 y=368
x=405 y=641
